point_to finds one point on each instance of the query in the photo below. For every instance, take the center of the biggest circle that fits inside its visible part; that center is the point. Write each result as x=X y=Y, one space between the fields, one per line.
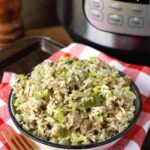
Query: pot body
x=108 y=25
x=96 y=23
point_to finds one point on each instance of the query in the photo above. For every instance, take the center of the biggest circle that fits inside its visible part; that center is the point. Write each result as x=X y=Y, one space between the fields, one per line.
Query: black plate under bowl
x=138 y=106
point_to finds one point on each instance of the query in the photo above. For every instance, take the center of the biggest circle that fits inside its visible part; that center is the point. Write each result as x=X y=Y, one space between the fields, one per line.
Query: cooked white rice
x=74 y=101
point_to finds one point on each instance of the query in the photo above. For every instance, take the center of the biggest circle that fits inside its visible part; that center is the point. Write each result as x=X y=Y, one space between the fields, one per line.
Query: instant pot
x=121 y=27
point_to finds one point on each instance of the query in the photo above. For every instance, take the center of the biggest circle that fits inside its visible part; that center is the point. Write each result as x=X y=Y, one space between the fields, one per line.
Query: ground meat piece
x=73 y=120
x=127 y=79
x=85 y=126
x=33 y=123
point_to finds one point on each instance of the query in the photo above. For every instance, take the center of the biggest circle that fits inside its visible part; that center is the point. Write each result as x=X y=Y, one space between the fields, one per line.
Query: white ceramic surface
x=103 y=147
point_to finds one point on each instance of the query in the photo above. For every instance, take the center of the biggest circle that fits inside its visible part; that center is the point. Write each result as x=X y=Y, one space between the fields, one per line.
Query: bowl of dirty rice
x=75 y=104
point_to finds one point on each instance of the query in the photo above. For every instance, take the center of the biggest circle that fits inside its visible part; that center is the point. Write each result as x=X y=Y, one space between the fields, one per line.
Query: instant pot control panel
x=130 y=17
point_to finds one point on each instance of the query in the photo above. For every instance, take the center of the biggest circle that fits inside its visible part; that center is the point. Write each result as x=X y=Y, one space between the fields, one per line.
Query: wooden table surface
x=57 y=33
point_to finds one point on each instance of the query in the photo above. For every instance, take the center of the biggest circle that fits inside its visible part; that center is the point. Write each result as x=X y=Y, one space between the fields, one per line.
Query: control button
x=116 y=6
x=96 y=14
x=97 y=4
x=137 y=11
x=136 y=22
x=115 y=19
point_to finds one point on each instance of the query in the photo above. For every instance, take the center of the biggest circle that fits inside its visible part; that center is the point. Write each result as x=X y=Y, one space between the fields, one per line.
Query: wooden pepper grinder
x=11 y=26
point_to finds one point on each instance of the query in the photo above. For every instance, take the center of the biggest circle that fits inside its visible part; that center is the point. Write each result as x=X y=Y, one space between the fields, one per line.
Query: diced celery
x=73 y=105
x=77 y=63
x=59 y=116
x=63 y=132
x=125 y=89
x=63 y=71
x=97 y=88
x=21 y=77
x=17 y=103
x=98 y=118
x=41 y=94
x=67 y=59
x=78 y=94
x=94 y=102
x=93 y=74
x=77 y=138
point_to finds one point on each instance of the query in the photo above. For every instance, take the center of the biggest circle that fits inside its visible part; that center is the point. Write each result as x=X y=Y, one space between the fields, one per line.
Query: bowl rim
x=91 y=145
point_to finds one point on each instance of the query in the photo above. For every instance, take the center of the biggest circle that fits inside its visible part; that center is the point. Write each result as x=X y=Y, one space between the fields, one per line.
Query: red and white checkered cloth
x=140 y=74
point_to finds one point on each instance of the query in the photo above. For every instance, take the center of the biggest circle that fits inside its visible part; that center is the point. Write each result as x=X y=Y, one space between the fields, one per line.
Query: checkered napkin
x=140 y=74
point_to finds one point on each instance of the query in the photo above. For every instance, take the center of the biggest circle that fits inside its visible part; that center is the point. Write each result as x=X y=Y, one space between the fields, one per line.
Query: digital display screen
x=136 y=1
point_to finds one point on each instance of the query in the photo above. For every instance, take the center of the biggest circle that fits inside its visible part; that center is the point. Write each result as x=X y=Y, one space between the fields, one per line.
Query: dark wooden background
x=39 y=13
